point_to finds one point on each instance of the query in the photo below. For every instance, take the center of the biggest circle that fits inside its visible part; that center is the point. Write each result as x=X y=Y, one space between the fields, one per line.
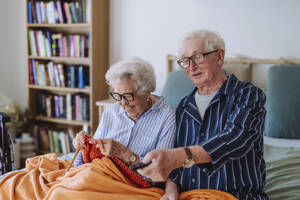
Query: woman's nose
x=123 y=102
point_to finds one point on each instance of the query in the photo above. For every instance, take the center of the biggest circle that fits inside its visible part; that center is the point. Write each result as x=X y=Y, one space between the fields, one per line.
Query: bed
x=282 y=134
x=282 y=155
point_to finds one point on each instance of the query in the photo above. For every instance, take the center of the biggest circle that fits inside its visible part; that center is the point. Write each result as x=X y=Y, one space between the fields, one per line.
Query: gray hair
x=136 y=69
x=212 y=40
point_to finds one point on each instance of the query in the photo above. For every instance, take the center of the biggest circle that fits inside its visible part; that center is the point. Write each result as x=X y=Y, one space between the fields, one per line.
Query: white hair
x=136 y=69
x=212 y=40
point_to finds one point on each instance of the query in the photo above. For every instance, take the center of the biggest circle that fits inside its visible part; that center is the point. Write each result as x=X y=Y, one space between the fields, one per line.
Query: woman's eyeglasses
x=129 y=96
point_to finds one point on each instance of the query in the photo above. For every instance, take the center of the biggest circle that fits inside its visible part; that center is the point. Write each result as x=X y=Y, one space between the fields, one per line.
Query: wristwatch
x=189 y=158
x=132 y=158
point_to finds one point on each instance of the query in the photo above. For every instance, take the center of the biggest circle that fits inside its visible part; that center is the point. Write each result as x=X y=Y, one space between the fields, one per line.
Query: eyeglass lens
x=118 y=97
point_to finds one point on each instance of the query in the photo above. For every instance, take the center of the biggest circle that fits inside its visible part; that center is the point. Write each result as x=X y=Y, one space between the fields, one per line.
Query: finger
x=164 y=198
x=82 y=132
x=146 y=171
x=99 y=146
x=149 y=157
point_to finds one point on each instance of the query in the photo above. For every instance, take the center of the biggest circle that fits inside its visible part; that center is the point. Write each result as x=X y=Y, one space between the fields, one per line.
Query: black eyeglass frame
x=121 y=96
x=191 y=58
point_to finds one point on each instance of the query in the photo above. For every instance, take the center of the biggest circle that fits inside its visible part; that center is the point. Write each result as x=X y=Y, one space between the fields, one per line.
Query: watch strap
x=188 y=153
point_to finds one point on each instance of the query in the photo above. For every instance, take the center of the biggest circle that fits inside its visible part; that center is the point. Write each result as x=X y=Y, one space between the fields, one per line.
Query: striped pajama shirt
x=231 y=131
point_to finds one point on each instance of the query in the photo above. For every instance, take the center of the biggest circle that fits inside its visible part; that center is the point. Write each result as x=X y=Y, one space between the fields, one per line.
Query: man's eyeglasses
x=127 y=96
x=196 y=59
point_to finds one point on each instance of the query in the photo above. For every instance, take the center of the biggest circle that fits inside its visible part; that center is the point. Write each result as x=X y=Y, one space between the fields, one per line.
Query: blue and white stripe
x=155 y=129
x=231 y=131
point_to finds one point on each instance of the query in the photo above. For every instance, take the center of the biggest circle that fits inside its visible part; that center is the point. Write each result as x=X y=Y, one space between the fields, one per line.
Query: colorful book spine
x=30 y=19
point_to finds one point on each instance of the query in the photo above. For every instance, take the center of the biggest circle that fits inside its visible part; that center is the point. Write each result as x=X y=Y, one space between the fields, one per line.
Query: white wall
x=13 y=51
x=152 y=29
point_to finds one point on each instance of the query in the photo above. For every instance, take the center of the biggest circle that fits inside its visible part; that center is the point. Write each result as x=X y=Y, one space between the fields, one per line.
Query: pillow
x=241 y=70
x=283 y=105
x=177 y=86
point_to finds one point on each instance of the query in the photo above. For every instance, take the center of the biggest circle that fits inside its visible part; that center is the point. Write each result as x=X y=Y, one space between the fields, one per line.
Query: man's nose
x=193 y=66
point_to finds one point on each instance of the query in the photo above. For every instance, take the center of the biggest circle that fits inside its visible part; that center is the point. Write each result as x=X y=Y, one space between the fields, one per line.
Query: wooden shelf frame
x=60 y=89
x=98 y=30
x=250 y=61
x=61 y=121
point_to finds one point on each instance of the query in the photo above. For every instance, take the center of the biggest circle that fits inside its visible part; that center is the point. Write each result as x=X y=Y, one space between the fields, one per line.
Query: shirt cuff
x=78 y=160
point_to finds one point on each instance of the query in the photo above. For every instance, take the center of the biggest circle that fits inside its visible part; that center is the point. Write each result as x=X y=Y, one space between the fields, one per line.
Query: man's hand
x=78 y=142
x=163 y=162
x=171 y=191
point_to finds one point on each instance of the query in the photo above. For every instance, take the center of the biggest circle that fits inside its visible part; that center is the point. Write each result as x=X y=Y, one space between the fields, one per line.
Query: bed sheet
x=283 y=171
x=281 y=142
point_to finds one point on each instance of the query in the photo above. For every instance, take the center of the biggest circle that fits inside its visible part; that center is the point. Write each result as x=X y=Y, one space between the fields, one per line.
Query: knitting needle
x=102 y=145
x=77 y=151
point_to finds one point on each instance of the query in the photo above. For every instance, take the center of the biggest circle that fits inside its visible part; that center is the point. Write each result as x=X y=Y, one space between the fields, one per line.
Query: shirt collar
x=227 y=88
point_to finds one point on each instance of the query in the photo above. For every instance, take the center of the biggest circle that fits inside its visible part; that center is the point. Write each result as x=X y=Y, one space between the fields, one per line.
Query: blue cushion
x=178 y=85
x=283 y=102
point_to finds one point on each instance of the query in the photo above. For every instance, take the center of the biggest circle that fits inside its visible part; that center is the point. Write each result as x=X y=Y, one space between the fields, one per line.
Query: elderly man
x=219 y=127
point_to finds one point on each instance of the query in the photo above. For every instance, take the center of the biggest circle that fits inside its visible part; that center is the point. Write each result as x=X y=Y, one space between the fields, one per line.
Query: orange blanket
x=44 y=178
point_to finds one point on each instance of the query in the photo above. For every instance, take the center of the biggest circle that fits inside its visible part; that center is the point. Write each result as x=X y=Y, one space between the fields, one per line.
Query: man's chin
x=198 y=81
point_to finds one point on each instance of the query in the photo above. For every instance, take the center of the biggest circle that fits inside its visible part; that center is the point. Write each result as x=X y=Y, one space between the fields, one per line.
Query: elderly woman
x=138 y=122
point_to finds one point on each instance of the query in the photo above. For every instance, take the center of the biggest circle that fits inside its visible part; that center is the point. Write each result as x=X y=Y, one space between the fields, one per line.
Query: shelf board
x=74 y=25
x=62 y=121
x=60 y=89
x=67 y=60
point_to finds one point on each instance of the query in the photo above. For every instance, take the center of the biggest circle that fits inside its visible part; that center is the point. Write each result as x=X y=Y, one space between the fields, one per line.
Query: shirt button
x=205 y=170
x=202 y=134
x=193 y=180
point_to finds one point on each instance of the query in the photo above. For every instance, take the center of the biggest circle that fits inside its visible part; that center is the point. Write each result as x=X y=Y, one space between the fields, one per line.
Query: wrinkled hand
x=113 y=148
x=171 y=191
x=78 y=142
x=168 y=196
x=161 y=166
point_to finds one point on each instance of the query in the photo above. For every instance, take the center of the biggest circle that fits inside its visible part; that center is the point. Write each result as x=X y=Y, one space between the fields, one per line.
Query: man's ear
x=221 y=54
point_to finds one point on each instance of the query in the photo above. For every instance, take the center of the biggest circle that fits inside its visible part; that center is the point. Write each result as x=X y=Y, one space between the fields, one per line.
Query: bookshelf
x=67 y=58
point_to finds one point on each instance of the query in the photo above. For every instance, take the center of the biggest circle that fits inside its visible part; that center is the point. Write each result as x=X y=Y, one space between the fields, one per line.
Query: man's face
x=203 y=74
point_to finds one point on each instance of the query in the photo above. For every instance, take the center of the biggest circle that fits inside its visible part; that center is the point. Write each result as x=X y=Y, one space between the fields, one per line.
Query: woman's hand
x=78 y=142
x=113 y=148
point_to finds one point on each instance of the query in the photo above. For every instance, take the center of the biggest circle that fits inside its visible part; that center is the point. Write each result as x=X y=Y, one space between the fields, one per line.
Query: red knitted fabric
x=91 y=152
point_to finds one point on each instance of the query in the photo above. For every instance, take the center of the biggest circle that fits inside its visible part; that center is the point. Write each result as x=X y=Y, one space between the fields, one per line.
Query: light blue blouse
x=155 y=129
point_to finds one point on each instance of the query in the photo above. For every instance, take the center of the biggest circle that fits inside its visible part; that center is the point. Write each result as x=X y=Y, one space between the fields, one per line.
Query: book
x=33 y=11
x=61 y=75
x=73 y=12
x=30 y=72
x=51 y=140
x=32 y=43
x=51 y=75
x=63 y=142
x=49 y=106
x=34 y=72
x=30 y=19
x=80 y=77
x=44 y=143
x=71 y=76
x=59 y=11
x=69 y=106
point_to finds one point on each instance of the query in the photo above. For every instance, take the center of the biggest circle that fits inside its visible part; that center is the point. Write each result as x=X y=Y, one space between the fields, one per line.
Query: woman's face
x=138 y=106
